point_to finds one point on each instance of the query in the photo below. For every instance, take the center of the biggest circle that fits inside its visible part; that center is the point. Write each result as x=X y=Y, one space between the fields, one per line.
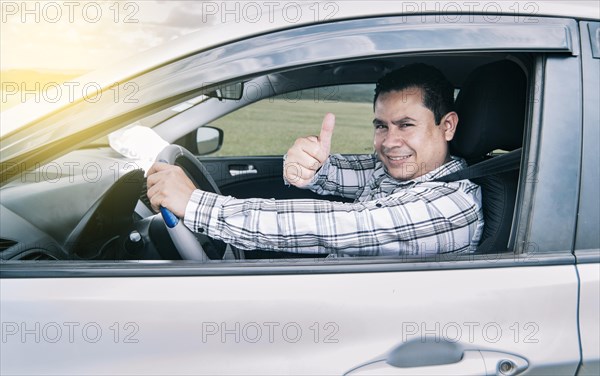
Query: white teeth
x=398 y=158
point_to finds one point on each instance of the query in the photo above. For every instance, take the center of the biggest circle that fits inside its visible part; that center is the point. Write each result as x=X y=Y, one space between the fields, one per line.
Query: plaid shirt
x=388 y=217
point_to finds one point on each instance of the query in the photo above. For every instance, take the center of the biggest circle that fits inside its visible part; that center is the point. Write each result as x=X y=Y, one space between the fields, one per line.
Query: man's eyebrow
x=404 y=120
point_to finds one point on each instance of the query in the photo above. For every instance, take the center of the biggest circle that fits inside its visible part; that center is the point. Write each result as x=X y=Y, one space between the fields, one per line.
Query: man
x=398 y=207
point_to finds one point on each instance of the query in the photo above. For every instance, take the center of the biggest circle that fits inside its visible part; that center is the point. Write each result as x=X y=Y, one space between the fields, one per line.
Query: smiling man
x=398 y=206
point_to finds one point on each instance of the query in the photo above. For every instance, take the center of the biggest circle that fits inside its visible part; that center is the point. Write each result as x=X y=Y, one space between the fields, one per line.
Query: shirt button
x=200 y=230
x=378 y=205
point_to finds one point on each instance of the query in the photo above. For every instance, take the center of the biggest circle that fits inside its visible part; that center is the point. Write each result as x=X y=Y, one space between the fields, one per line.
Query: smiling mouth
x=398 y=158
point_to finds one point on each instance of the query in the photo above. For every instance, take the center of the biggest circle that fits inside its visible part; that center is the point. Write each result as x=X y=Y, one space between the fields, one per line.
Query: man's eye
x=380 y=126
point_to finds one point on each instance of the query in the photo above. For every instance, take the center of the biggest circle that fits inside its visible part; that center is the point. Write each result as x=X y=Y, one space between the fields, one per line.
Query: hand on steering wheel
x=185 y=240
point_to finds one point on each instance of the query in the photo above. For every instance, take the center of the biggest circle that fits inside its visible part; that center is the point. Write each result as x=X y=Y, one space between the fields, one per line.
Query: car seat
x=491 y=109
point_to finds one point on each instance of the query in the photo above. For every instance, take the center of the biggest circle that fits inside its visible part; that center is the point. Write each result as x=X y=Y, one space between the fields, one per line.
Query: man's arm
x=435 y=218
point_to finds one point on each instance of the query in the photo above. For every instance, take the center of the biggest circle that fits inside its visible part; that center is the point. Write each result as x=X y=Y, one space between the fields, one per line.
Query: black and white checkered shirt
x=388 y=217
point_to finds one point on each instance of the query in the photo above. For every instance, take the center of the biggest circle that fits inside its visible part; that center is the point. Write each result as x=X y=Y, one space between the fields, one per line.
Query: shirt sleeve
x=343 y=175
x=427 y=220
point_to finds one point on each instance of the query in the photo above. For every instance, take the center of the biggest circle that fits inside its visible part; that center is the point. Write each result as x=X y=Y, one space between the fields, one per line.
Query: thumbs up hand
x=308 y=154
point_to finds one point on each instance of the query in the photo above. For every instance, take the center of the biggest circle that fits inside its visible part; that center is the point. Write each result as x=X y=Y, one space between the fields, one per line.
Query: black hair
x=437 y=91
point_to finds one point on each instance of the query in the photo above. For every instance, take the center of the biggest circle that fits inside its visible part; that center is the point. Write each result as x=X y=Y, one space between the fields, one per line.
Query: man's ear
x=449 y=123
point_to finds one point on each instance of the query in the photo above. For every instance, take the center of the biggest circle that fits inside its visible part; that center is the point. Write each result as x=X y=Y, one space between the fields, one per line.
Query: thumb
x=327 y=132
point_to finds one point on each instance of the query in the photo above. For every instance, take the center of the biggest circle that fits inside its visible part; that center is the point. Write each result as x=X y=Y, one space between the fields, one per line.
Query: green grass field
x=270 y=127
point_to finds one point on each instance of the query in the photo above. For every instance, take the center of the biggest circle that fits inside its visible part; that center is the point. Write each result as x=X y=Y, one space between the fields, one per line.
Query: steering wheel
x=185 y=241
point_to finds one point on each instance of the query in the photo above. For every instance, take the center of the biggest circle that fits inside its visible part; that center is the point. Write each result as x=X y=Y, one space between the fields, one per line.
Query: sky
x=84 y=35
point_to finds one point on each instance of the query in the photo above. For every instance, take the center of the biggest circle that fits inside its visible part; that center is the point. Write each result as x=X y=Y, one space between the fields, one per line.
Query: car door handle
x=242 y=169
x=441 y=358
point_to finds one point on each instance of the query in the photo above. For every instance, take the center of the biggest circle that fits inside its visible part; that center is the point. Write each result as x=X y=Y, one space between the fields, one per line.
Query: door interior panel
x=259 y=177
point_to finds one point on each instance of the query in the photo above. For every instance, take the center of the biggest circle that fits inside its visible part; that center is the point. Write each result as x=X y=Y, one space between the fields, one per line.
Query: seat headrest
x=491 y=111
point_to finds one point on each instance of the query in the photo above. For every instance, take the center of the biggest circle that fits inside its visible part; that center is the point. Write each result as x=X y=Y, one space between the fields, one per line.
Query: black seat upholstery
x=491 y=108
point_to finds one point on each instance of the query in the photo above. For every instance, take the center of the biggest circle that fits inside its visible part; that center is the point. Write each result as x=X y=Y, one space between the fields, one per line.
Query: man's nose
x=393 y=138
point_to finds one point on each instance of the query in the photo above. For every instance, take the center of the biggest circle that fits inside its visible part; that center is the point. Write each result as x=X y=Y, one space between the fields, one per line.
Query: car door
x=470 y=314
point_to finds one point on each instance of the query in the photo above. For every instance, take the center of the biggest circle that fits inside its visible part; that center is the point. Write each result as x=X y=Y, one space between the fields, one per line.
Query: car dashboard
x=80 y=206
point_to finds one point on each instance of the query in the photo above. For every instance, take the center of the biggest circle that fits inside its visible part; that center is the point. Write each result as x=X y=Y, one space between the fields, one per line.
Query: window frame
x=587 y=242
x=552 y=159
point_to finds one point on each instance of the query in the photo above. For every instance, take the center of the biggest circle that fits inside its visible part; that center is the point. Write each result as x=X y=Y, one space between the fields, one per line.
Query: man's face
x=407 y=140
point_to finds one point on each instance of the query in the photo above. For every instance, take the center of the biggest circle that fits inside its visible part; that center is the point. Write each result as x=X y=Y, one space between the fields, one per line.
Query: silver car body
x=533 y=311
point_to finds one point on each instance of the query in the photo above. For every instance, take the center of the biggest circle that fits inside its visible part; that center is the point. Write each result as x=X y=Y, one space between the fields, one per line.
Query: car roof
x=235 y=29
x=216 y=34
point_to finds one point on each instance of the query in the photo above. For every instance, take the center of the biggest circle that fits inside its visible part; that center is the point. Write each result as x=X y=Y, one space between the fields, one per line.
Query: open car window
x=265 y=129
